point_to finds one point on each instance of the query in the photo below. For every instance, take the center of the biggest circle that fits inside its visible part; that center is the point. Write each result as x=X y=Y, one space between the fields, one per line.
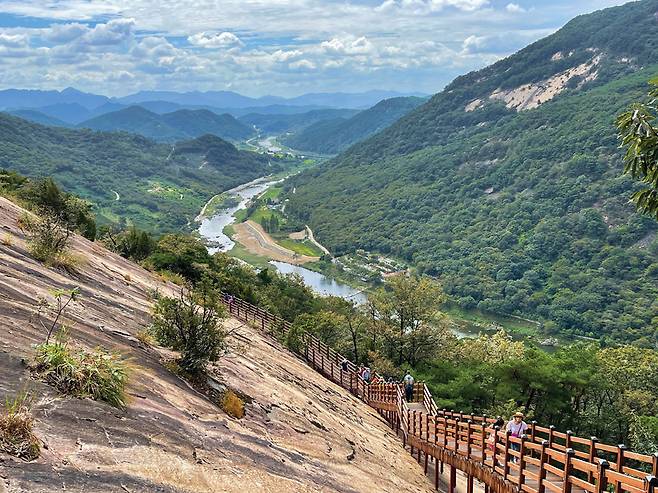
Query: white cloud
x=111 y=33
x=13 y=40
x=64 y=33
x=515 y=8
x=302 y=65
x=348 y=45
x=215 y=40
x=420 y=7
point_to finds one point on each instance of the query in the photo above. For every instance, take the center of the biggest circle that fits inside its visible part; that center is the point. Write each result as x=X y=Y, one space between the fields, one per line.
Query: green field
x=302 y=247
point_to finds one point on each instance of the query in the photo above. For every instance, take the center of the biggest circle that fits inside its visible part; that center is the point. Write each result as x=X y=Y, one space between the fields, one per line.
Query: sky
x=259 y=47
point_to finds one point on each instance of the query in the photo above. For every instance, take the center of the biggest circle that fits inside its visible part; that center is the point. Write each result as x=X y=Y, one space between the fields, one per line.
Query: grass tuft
x=97 y=374
x=16 y=422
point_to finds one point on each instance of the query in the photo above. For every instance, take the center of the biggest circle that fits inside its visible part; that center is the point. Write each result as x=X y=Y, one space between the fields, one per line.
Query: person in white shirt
x=516 y=427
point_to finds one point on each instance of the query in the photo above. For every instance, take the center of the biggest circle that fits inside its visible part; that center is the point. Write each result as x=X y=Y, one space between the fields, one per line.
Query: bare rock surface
x=301 y=433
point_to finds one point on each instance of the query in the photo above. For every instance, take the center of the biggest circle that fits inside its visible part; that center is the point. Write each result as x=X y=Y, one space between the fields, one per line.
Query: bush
x=233 y=405
x=191 y=324
x=47 y=237
x=16 y=436
x=97 y=374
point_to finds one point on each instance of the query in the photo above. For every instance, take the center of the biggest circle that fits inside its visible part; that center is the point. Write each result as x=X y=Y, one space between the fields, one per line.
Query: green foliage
x=132 y=243
x=640 y=138
x=16 y=424
x=93 y=165
x=47 y=236
x=516 y=213
x=63 y=298
x=191 y=324
x=334 y=135
x=96 y=374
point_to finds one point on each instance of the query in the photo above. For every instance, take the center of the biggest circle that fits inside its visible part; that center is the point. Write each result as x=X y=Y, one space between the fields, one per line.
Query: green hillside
x=157 y=189
x=177 y=125
x=38 y=117
x=335 y=135
x=515 y=203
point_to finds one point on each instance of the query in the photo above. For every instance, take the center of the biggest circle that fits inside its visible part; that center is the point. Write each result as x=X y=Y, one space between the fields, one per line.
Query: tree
x=640 y=138
x=406 y=315
x=191 y=324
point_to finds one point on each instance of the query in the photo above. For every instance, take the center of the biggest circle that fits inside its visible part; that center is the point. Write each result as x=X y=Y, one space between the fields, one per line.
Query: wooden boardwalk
x=466 y=452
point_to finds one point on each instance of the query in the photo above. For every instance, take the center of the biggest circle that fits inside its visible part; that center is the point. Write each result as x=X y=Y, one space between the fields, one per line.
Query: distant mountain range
x=73 y=107
x=170 y=127
x=330 y=136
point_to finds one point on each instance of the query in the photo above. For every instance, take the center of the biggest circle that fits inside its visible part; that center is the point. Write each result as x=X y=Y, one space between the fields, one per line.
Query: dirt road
x=252 y=236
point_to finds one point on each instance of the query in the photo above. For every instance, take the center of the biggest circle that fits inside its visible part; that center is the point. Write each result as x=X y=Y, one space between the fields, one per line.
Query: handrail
x=541 y=461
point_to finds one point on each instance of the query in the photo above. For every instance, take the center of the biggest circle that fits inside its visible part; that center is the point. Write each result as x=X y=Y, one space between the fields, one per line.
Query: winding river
x=211 y=229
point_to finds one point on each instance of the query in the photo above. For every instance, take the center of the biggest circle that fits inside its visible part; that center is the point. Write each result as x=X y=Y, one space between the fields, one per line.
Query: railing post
x=468 y=439
x=601 y=480
x=524 y=437
x=457 y=434
x=541 y=488
x=650 y=484
x=495 y=448
x=483 y=441
x=654 y=467
x=551 y=429
x=592 y=455
x=508 y=434
x=413 y=429
x=568 y=468
x=621 y=448
x=427 y=437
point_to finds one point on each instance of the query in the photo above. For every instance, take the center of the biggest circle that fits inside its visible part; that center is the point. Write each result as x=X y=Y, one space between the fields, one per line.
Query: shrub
x=191 y=324
x=16 y=436
x=7 y=240
x=233 y=405
x=97 y=374
x=47 y=237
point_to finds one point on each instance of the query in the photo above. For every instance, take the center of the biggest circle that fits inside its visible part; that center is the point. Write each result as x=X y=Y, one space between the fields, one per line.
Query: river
x=212 y=228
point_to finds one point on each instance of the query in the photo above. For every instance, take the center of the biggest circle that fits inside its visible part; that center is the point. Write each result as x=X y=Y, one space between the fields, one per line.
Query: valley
x=423 y=226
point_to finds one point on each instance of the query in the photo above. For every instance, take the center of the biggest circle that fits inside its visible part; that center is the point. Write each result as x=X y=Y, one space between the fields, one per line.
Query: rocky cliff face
x=300 y=433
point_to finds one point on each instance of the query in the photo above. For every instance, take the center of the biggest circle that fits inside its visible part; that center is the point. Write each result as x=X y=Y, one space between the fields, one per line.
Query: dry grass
x=16 y=436
x=7 y=240
x=233 y=405
x=145 y=337
x=127 y=277
x=65 y=260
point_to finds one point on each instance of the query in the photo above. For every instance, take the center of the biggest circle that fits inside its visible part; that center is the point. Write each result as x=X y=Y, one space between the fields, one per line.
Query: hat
x=518 y=415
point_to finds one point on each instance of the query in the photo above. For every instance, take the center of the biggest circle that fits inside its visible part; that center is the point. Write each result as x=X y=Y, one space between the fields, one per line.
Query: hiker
x=516 y=427
x=408 y=381
x=344 y=366
x=366 y=374
x=500 y=423
x=362 y=369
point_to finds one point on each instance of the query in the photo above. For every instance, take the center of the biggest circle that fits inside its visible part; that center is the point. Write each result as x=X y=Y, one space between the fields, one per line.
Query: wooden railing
x=541 y=461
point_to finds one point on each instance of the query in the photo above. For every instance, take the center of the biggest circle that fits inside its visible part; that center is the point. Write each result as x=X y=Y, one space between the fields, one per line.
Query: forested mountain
x=169 y=127
x=507 y=184
x=128 y=177
x=333 y=136
x=38 y=117
x=281 y=123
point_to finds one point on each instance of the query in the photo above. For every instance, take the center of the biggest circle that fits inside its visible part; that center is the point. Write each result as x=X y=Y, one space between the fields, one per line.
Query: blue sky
x=258 y=47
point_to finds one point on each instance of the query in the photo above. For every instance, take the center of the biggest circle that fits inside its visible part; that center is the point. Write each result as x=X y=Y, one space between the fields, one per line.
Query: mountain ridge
x=517 y=210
